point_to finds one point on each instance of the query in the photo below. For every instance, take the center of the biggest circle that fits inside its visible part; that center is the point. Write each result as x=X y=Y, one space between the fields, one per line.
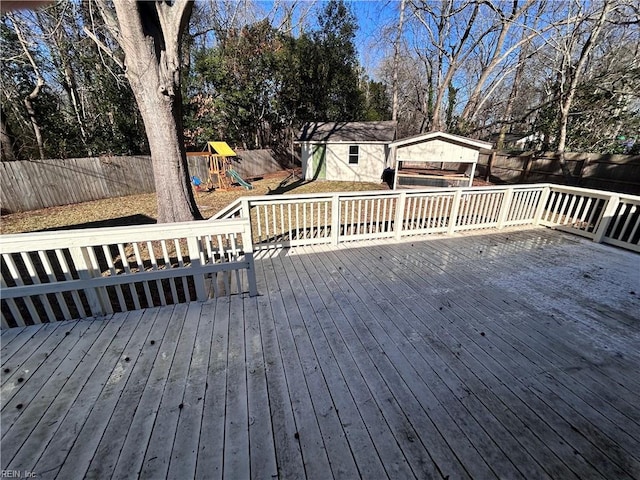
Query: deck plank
x=107 y=452
x=46 y=449
x=262 y=447
x=505 y=354
x=508 y=360
x=27 y=334
x=329 y=355
x=161 y=441
x=289 y=462
x=236 y=431
x=59 y=387
x=184 y=453
x=79 y=455
x=414 y=366
x=421 y=442
x=445 y=388
x=556 y=340
x=308 y=434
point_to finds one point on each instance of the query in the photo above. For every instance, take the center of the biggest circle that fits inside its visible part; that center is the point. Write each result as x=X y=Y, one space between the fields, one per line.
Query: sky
x=372 y=17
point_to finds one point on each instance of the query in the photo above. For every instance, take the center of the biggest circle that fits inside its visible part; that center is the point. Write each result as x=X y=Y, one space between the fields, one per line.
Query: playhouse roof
x=353 y=132
x=222 y=148
x=448 y=137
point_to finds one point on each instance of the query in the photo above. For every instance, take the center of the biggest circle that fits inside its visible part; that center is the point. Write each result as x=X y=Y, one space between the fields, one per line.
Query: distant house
x=347 y=151
x=518 y=140
x=436 y=159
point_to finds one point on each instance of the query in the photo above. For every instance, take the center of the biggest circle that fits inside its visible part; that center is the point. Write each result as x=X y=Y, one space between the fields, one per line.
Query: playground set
x=221 y=175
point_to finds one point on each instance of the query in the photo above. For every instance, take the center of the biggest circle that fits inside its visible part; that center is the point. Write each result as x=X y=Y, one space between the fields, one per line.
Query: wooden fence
x=32 y=184
x=617 y=173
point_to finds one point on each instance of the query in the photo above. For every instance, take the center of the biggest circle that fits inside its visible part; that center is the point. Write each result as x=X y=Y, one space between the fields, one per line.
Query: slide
x=233 y=174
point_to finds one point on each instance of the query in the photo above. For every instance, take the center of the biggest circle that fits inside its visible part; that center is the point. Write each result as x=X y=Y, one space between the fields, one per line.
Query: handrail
x=48 y=276
x=315 y=218
x=230 y=211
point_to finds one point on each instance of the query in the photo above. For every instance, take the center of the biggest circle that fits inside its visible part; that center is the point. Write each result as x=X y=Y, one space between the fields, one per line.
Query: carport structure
x=436 y=159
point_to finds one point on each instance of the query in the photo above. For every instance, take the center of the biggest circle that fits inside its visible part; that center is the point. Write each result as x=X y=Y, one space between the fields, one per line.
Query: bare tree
x=571 y=68
x=506 y=20
x=396 y=60
x=39 y=84
x=149 y=34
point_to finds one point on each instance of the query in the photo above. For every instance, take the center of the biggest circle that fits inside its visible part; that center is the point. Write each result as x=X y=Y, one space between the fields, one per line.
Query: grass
x=138 y=209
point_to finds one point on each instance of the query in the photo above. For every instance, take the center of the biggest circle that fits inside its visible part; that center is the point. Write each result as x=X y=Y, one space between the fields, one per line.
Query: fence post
x=542 y=204
x=505 y=207
x=335 y=219
x=455 y=209
x=399 y=220
x=82 y=264
x=193 y=246
x=605 y=218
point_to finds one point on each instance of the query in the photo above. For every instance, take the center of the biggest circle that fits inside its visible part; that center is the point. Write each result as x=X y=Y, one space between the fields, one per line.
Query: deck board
x=510 y=354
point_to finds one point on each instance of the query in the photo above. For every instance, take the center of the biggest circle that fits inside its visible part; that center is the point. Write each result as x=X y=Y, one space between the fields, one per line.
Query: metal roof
x=335 y=132
x=457 y=139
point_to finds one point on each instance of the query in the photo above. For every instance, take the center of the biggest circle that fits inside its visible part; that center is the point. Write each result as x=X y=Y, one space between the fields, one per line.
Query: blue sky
x=372 y=16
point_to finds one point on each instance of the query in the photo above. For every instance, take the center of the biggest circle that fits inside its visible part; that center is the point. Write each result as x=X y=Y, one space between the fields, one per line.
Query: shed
x=436 y=159
x=347 y=151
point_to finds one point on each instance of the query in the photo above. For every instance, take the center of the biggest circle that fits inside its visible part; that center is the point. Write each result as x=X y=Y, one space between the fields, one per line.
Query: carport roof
x=457 y=139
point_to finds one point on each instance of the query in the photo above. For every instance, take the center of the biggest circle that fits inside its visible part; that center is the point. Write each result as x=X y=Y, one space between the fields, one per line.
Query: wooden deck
x=503 y=355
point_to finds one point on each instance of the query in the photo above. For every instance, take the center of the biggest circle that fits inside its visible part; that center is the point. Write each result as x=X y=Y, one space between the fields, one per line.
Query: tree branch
x=103 y=47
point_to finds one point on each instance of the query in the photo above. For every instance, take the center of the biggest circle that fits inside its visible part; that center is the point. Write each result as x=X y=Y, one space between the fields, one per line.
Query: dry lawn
x=138 y=209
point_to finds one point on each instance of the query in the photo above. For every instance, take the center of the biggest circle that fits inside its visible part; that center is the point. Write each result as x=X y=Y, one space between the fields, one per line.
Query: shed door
x=319 y=162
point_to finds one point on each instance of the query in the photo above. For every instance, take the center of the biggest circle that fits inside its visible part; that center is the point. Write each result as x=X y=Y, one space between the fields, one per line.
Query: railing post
x=247 y=247
x=605 y=218
x=505 y=207
x=399 y=220
x=82 y=264
x=335 y=219
x=244 y=205
x=455 y=209
x=193 y=246
x=542 y=203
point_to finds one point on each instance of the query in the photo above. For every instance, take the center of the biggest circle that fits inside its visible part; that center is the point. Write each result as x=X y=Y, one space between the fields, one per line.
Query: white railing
x=288 y=220
x=50 y=276
x=602 y=216
x=83 y=273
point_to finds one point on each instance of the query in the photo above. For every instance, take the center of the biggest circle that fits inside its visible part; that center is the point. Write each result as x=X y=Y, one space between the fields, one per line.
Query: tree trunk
x=28 y=100
x=28 y=103
x=150 y=35
x=517 y=79
x=7 y=150
x=396 y=59
x=567 y=100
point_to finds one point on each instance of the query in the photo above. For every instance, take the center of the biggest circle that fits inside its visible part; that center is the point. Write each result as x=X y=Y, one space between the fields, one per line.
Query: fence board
x=618 y=173
x=32 y=184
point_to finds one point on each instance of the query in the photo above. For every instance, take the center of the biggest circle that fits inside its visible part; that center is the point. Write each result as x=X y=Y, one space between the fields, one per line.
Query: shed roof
x=321 y=132
x=457 y=139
